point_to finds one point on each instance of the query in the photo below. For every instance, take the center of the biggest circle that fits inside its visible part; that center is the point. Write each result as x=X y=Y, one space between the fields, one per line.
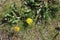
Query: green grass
x=34 y=32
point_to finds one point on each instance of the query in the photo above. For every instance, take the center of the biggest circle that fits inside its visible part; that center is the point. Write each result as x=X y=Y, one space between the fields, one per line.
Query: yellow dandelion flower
x=16 y=28
x=29 y=21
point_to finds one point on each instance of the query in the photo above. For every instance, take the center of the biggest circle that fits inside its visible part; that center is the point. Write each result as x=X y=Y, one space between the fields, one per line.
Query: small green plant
x=17 y=20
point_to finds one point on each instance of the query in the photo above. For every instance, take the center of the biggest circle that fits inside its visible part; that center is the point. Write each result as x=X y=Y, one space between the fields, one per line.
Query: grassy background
x=37 y=32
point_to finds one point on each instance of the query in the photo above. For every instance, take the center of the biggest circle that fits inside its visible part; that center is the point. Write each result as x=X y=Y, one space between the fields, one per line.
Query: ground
x=38 y=32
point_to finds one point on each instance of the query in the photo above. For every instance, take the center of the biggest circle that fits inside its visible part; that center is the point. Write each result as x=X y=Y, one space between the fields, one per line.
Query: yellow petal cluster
x=29 y=21
x=16 y=28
